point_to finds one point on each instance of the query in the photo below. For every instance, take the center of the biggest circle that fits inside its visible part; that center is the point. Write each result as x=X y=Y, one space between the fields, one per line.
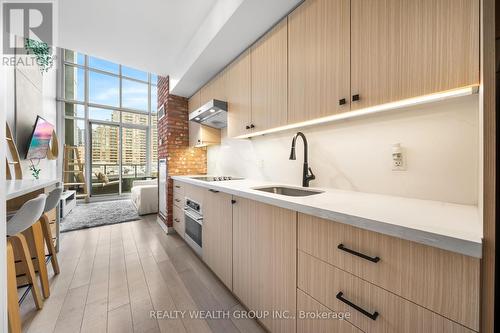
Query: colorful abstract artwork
x=39 y=143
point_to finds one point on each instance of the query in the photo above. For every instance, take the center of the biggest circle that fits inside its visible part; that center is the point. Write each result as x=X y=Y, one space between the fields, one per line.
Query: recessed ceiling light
x=212 y=110
x=197 y=118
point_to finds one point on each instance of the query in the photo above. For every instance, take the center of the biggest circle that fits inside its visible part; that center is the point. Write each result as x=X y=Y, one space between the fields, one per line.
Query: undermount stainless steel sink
x=288 y=191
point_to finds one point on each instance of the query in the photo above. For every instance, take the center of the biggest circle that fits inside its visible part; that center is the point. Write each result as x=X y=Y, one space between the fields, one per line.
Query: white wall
x=36 y=95
x=7 y=107
x=3 y=265
x=440 y=141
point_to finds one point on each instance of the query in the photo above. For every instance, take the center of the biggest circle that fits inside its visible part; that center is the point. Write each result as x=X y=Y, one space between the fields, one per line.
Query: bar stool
x=13 y=303
x=51 y=203
x=26 y=219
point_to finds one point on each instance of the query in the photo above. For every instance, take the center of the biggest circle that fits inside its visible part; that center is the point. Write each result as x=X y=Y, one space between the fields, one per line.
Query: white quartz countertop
x=448 y=226
x=17 y=188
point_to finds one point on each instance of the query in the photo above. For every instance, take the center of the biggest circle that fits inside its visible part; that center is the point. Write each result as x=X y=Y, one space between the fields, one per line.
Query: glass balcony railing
x=106 y=177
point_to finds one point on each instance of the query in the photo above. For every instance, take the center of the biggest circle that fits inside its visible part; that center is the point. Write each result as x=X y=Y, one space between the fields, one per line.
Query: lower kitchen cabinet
x=264 y=261
x=218 y=235
x=194 y=193
x=178 y=221
x=290 y=268
x=308 y=320
x=371 y=308
x=441 y=281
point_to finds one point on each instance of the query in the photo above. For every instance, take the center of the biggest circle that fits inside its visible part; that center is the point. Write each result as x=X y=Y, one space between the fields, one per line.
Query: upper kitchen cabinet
x=407 y=48
x=269 y=79
x=202 y=136
x=318 y=59
x=238 y=92
x=194 y=101
x=214 y=89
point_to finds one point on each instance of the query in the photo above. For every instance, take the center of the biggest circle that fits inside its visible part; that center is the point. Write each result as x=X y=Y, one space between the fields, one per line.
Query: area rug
x=99 y=213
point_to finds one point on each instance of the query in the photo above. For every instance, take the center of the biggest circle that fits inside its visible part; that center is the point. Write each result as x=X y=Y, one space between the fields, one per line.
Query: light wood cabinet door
x=442 y=281
x=264 y=260
x=218 y=235
x=179 y=199
x=178 y=221
x=407 y=48
x=193 y=192
x=201 y=136
x=194 y=101
x=269 y=79
x=179 y=187
x=308 y=307
x=238 y=88
x=214 y=89
x=379 y=311
x=318 y=59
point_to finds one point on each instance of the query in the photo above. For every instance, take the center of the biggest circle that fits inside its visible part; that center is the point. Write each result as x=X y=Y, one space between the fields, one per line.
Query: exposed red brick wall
x=173 y=141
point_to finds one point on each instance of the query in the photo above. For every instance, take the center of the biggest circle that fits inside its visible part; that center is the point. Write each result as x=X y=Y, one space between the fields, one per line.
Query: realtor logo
x=26 y=19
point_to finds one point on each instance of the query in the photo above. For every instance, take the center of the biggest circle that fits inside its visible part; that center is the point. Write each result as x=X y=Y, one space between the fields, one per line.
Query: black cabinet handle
x=177 y=186
x=342 y=101
x=372 y=316
x=177 y=200
x=355 y=98
x=361 y=255
x=252 y=126
x=233 y=201
x=247 y=127
x=176 y=220
x=214 y=191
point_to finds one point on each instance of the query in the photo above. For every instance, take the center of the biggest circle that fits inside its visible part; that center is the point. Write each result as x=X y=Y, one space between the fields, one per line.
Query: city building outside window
x=110 y=115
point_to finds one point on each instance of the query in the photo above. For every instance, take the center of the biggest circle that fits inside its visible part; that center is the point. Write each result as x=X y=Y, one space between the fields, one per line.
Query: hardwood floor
x=113 y=276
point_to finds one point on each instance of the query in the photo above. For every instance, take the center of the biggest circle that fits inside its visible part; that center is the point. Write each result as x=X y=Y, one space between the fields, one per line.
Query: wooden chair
x=51 y=203
x=26 y=219
x=12 y=301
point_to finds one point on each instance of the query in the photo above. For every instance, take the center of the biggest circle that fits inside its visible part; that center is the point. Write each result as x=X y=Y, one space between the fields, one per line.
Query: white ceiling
x=190 y=40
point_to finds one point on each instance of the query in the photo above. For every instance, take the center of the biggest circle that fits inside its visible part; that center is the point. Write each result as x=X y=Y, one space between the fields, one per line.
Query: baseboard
x=168 y=230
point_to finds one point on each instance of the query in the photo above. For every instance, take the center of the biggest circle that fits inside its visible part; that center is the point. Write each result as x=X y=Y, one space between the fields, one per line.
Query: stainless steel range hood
x=212 y=114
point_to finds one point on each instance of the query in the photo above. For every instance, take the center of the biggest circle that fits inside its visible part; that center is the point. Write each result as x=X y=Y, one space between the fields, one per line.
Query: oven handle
x=192 y=216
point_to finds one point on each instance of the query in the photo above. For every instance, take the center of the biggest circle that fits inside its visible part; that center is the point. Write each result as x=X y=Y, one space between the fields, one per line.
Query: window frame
x=87 y=104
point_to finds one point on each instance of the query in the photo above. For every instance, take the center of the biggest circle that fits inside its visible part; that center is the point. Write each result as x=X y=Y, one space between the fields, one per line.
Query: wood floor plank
x=71 y=316
x=184 y=258
x=182 y=298
x=245 y=325
x=120 y=320
x=140 y=300
x=213 y=284
x=112 y=277
x=160 y=296
x=118 y=286
x=99 y=279
x=157 y=286
x=46 y=319
x=207 y=302
x=86 y=261
x=146 y=236
x=95 y=316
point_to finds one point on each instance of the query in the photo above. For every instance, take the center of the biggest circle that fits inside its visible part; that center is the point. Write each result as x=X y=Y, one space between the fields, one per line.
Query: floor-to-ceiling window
x=110 y=114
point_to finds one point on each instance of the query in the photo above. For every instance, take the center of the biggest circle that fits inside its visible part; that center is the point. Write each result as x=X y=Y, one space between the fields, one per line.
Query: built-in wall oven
x=193 y=218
